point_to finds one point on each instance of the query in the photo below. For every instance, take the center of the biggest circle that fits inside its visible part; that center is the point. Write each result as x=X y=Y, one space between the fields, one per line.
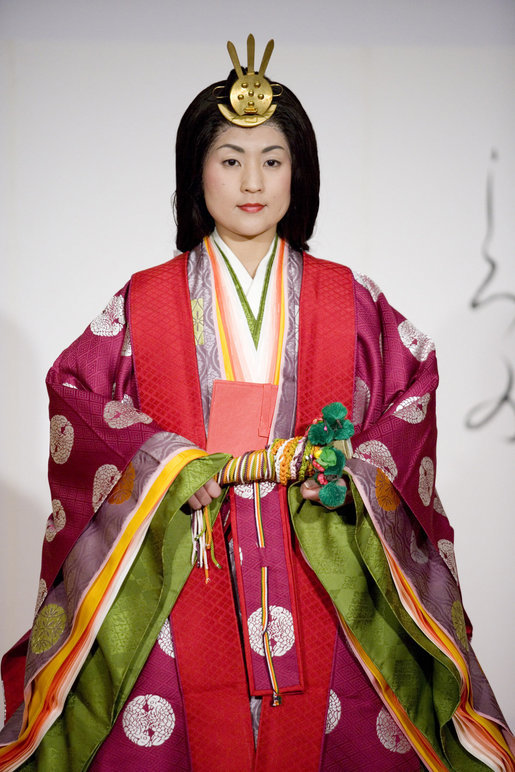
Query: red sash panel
x=327 y=339
x=163 y=343
x=211 y=670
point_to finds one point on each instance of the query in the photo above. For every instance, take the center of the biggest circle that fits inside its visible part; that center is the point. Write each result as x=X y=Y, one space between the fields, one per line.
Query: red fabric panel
x=13 y=673
x=327 y=339
x=211 y=670
x=166 y=362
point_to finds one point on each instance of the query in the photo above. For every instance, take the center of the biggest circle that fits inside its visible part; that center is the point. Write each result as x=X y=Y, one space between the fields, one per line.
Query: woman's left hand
x=310 y=490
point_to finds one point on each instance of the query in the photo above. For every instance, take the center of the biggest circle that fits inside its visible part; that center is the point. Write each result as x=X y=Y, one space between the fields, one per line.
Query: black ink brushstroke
x=493 y=406
x=484 y=412
x=478 y=301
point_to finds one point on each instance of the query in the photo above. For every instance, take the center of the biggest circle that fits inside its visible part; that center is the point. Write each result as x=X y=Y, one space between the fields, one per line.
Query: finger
x=203 y=496
x=212 y=488
x=194 y=503
x=310 y=490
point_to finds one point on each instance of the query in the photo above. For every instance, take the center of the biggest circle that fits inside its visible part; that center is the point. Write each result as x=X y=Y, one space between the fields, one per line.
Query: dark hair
x=198 y=128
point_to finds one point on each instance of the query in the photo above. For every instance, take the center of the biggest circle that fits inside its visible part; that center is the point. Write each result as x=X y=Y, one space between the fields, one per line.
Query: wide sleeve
x=395 y=405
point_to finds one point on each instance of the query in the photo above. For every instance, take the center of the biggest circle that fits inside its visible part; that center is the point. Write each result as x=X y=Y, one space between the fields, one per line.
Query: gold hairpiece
x=251 y=95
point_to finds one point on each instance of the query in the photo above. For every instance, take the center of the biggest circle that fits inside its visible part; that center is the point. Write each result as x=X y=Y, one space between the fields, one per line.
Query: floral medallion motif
x=121 y=414
x=148 y=720
x=438 y=506
x=334 y=712
x=42 y=593
x=105 y=479
x=369 y=284
x=280 y=631
x=458 y=620
x=110 y=322
x=48 y=628
x=386 y=495
x=246 y=490
x=389 y=733
x=122 y=491
x=56 y=521
x=426 y=479
x=377 y=454
x=419 y=344
x=165 y=640
x=126 y=346
x=446 y=549
x=361 y=401
x=413 y=410
x=61 y=439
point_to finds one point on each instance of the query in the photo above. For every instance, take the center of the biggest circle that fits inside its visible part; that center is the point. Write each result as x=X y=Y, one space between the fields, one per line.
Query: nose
x=252 y=179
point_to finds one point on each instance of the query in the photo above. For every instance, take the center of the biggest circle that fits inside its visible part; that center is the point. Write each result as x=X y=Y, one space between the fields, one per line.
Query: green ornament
x=334 y=413
x=337 y=467
x=345 y=431
x=327 y=457
x=320 y=434
x=333 y=495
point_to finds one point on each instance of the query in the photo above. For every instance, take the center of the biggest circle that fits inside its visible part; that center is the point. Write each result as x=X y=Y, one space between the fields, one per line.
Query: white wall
x=408 y=100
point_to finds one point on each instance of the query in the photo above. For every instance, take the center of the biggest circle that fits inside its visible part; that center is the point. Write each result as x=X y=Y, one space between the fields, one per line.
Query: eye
x=272 y=162
x=230 y=162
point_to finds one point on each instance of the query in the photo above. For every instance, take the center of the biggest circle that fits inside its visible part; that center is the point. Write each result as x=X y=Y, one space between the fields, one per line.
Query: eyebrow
x=239 y=149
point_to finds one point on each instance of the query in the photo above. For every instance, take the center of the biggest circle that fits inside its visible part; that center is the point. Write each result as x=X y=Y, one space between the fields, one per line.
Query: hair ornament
x=251 y=94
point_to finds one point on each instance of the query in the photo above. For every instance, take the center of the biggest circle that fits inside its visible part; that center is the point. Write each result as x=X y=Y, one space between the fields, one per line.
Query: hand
x=310 y=489
x=205 y=495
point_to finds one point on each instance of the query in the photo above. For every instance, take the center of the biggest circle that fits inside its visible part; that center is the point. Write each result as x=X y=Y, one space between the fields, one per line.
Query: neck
x=251 y=251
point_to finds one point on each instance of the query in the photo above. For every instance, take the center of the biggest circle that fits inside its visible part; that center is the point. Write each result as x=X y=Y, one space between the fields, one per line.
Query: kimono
x=134 y=658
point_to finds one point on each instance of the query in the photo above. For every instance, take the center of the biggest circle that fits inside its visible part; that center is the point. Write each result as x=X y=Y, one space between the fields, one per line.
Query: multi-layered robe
x=134 y=659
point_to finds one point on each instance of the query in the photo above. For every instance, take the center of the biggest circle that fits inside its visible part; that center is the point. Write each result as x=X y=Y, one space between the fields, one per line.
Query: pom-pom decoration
x=333 y=495
x=333 y=461
x=334 y=416
x=320 y=433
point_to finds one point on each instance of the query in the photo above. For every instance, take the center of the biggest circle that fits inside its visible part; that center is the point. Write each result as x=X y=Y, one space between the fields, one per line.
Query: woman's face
x=246 y=179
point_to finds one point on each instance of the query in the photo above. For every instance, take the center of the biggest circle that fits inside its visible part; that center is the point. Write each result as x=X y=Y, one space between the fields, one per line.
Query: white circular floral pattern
x=446 y=549
x=105 y=479
x=42 y=593
x=334 y=712
x=419 y=344
x=148 y=720
x=126 y=347
x=61 y=439
x=370 y=285
x=246 y=490
x=120 y=415
x=438 y=506
x=361 y=400
x=426 y=479
x=413 y=410
x=280 y=631
x=56 y=521
x=165 y=640
x=377 y=454
x=418 y=554
x=110 y=322
x=389 y=733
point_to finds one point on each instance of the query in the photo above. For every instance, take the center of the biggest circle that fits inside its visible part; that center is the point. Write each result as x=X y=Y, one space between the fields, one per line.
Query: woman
x=313 y=636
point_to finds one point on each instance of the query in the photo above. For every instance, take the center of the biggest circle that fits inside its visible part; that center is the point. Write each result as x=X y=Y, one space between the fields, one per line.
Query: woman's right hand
x=205 y=495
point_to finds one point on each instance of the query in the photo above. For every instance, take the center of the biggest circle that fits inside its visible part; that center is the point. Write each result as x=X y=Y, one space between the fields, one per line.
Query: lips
x=251 y=207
